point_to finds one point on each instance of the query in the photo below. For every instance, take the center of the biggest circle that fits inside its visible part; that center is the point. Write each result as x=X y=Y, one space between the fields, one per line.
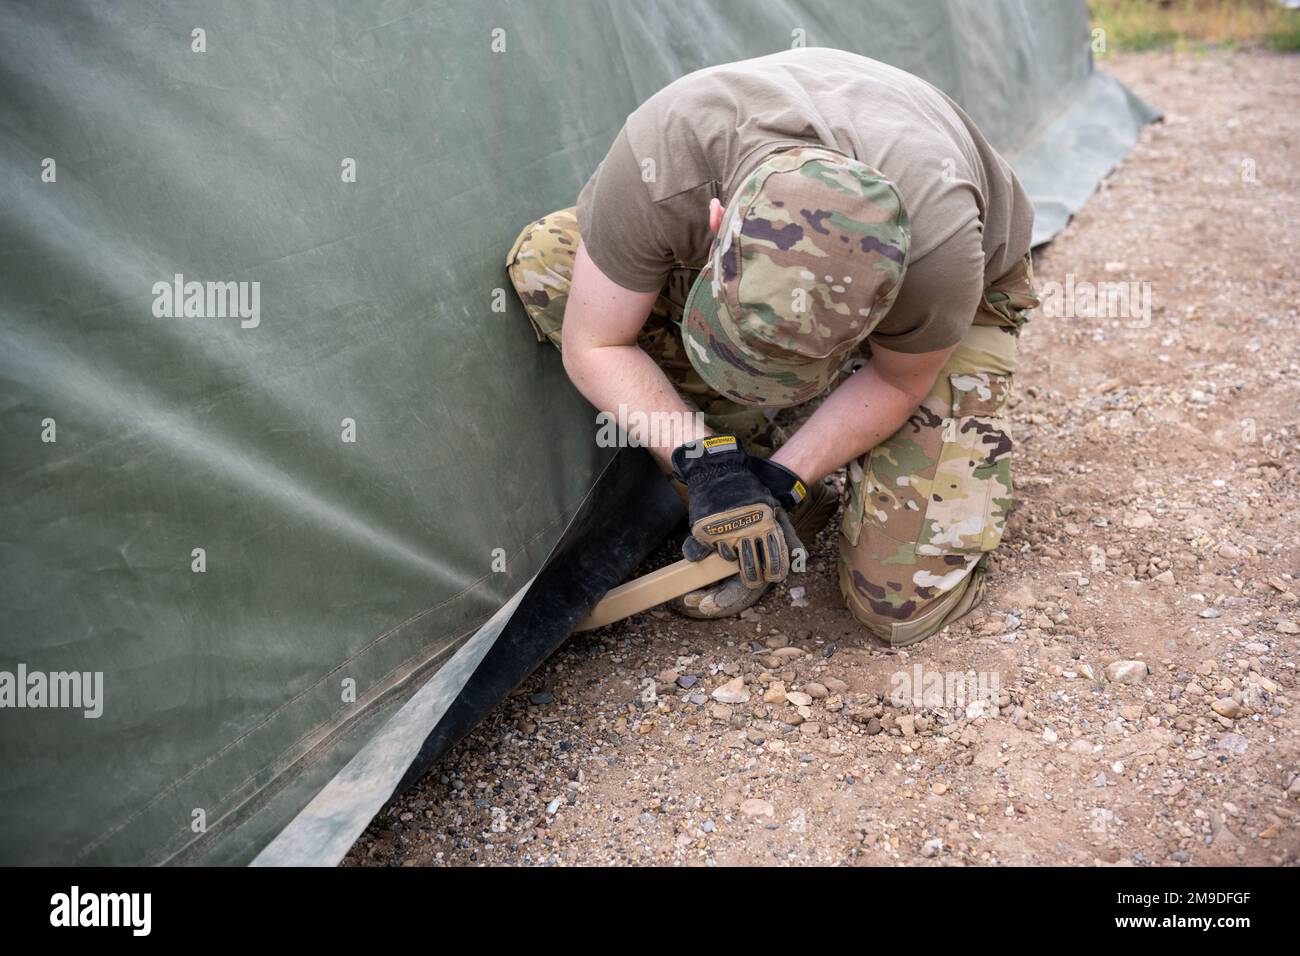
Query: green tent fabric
x=268 y=533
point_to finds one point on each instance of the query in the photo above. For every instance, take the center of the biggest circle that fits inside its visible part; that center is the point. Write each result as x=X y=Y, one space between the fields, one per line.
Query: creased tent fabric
x=266 y=531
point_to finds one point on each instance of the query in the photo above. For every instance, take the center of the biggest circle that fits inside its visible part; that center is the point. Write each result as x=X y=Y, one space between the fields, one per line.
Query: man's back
x=642 y=211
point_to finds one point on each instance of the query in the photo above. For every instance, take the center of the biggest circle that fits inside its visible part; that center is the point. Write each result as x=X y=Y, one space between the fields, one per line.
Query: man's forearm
x=861 y=413
x=623 y=375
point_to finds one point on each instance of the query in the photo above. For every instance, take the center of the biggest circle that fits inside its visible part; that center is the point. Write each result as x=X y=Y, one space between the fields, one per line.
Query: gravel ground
x=1141 y=625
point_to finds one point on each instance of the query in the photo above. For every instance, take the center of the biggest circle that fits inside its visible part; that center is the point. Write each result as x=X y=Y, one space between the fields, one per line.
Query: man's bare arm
x=862 y=412
x=601 y=357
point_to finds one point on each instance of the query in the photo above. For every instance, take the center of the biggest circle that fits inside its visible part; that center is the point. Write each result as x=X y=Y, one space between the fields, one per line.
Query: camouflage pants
x=925 y=505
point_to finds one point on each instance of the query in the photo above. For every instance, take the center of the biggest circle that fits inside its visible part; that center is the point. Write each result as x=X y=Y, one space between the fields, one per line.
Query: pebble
x=1226 y=707
x=687 y=681
x=1126 y=672
x=775 y=693
x=798 y=698
x=873 y=726
x=732 y=692
x=1080 y=746
x=931 y=848
x=1233 y=744
x=545 y=697
x=815 y=691
x=754 y=807
x=835 y=685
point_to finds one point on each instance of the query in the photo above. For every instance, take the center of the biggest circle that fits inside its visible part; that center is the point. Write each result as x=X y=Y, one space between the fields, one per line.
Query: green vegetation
x=1196 y=24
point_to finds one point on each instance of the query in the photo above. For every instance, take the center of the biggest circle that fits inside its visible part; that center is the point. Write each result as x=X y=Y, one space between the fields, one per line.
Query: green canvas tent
x=290 y=494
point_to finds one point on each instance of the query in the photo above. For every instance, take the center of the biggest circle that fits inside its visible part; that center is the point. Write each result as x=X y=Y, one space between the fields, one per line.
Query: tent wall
x=181 y=508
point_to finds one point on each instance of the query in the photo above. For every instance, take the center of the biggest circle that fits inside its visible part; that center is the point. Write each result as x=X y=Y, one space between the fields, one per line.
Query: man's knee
x=540 y=266
x=903 y=604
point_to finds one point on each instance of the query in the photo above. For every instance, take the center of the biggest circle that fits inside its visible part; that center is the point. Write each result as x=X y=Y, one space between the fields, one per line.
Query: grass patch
x=1195 y=24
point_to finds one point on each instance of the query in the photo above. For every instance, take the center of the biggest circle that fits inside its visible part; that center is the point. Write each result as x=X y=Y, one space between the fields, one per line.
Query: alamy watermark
x=76 y=690
x=1075 y=298
x=179 y=299
x=633 y=429
x=922 y=688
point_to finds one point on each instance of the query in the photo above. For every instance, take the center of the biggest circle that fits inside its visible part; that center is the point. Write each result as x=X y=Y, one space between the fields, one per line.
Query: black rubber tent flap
x=623 y=518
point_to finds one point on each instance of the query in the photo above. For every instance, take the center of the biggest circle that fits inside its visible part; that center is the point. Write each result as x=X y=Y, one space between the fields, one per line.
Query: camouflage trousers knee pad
x=923 y=620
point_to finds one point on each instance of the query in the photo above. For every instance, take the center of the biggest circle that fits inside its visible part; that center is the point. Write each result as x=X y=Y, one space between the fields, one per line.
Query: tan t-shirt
x=644 y=211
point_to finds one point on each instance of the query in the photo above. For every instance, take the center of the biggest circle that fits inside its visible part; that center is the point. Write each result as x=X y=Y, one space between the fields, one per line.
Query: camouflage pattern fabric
x=540 y=265
x=930 y=501
x=810 y=256
x=925 y=506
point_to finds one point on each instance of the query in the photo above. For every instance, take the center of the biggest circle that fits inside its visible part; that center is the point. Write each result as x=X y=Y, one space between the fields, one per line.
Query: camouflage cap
x=809 y=257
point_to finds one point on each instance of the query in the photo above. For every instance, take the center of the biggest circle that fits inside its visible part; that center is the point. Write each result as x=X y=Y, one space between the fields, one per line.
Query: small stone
x=931 y=848
x=775 y=693
x=687 y=681
x=1210 y=613
x=1233 y=744
x=732 y=692
x=907 y=724
x=873 y=726
x=939 y=789
x=810 y=728
x=815 y=691
x=1288 y=627
x=1080 y=746
x=798 y=597
x=1126 y=672
x=1226 y=707
x=835 y=685
x=1165 y=577
x=1229 y=552
x=720 y=711
x=787 y=653
x=798 y=698
x=754 y=807
x=545 y=697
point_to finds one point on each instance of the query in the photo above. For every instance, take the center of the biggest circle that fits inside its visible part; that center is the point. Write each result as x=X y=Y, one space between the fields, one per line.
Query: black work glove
x=731 y=510
x=784 y=484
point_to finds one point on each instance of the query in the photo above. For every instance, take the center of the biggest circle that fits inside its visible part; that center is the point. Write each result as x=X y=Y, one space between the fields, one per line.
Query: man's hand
x=733 y=511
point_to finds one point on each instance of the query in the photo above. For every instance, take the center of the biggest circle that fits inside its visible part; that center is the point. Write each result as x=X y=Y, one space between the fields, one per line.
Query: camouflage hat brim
x=810 y=256
x=726 y=366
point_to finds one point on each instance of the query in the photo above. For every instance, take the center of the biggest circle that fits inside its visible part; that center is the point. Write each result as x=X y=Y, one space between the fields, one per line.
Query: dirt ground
x=1141 y=622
